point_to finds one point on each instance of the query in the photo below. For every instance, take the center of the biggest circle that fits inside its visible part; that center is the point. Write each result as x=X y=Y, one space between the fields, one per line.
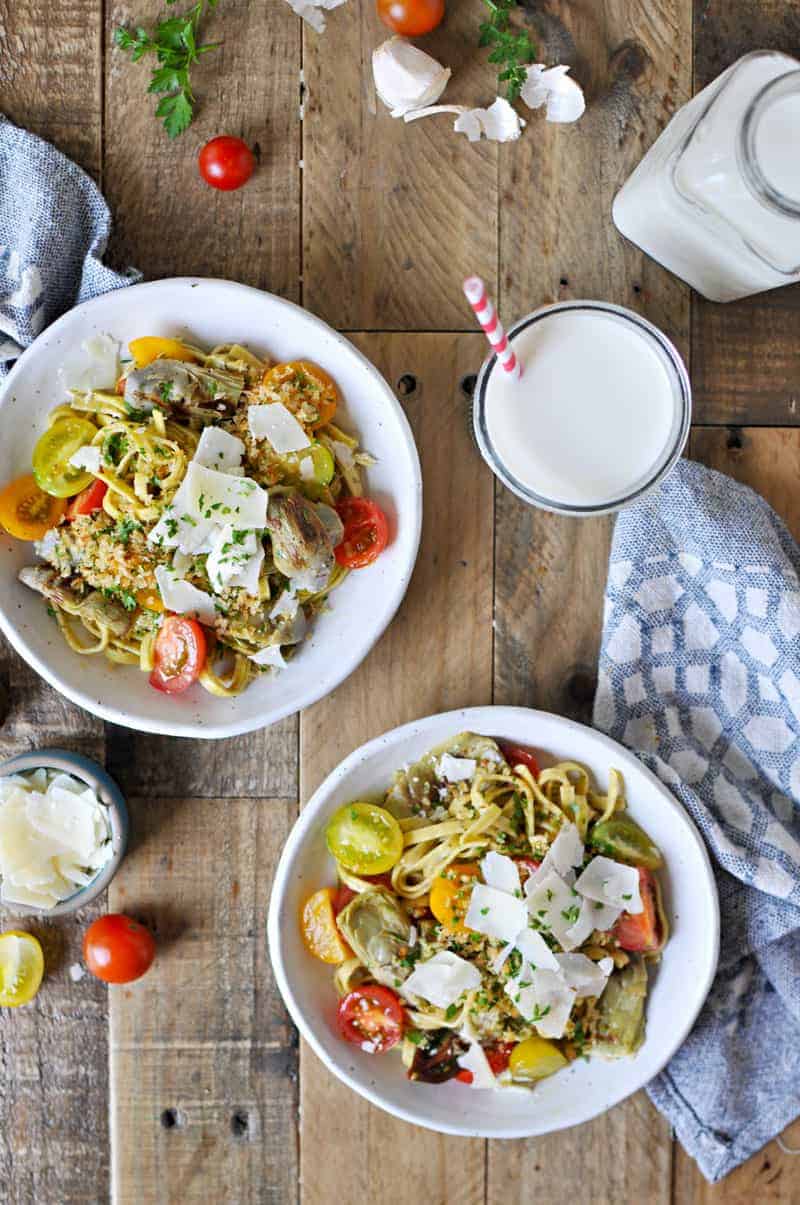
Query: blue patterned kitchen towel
x=700 y=677
x=54 y=226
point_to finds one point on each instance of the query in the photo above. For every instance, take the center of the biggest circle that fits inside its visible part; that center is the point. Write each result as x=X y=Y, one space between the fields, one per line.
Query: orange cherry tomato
x=366 y=532
x=371 y=1017
x=179 y=654
x=118 y=949
x=411 y=18
x=27 y=512
x=88 y=500
x=516 y=755
x=450 y=892
x=153 y=347
x=300 y=381
x=641 y=931
x=318 y=925
x=149 y=599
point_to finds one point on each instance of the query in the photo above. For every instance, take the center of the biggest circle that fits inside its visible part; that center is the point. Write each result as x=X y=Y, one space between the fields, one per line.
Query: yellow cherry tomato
x=151 y=347
x=535 y=1059
x=21 y=968
x=27 y=512
x=51 y=457
x=450 y=894
x=300 y=381
x=318 y=924
x=149 y=599
x=364 y=838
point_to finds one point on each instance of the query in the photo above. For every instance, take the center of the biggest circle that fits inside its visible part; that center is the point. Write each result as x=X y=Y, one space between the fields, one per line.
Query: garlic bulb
x=499 y=123
x=407 y=78
x=552 y=87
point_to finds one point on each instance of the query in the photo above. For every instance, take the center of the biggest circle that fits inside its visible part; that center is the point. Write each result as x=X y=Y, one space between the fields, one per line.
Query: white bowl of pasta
x=239 y=510
x=423 y=1007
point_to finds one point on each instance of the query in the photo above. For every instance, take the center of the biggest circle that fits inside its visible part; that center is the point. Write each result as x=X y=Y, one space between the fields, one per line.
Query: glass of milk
x=598 y=417
x=716 y=199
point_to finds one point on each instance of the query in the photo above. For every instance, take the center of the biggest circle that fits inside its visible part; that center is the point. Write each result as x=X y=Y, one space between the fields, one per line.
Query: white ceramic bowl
x=210 y=312
x=678 y=987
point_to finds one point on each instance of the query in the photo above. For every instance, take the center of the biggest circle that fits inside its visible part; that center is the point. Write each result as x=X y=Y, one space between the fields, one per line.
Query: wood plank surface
x=745 y=369
x=202 y=1058
x=395 y=215
x=436 y=655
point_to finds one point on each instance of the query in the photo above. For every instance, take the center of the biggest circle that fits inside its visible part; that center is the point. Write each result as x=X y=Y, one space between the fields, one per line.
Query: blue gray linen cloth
x=700 y=677
x=54 y=226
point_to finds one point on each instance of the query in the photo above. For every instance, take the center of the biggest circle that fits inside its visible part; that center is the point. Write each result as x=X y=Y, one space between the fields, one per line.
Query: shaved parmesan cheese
x=535 y=950
x=217 y=449
x=554 y=906
x=87 y=458
x=179 y=528
x=96 y=366
x=54 y=837
x=278 y=425
x=495 y=913
x=442 y=979
x=546 y=1000
x=610 y=882
x=456 y=769
x=593 y=915
x=286 y=605
x=271 y=655
x=235 y=560
x=586 y=977
x=567 y=849
x=475 y=1060
x=501 y=872
x=219 y=498
x=182 y=597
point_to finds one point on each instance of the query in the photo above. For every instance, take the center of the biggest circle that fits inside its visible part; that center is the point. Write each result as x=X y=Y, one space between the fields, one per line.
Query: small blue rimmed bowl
x=109 y=795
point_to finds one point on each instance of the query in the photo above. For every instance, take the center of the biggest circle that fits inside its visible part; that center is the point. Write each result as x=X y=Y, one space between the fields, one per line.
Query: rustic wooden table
x=190 y=1086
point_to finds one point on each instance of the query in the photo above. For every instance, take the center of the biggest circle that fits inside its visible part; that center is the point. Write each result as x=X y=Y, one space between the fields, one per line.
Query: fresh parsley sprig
x=174 y=43
x=512 y=48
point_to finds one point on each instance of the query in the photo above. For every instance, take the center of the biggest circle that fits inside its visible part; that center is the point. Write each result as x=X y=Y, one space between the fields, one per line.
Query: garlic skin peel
x=499 y=123
x=551 y=86
x=406 y=78
x=312 y=11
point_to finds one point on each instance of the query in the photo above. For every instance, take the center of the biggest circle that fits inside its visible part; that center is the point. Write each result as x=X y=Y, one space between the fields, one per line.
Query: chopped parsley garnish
x=165 y=391
x=124 y=529
x=571 y=914
x=450 y=1012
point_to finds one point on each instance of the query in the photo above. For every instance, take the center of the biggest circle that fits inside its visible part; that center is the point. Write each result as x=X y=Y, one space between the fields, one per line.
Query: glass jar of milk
x=599 y=415
x=716 y=199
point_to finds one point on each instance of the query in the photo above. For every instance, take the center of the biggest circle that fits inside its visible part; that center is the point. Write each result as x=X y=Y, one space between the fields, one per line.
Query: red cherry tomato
x=179 y=654
x=498 y=1055
x=411 y=17
x=366 y=532
x=118 y=949
x=464 y=1076
x=515 y=755
x=226 y=163
x=342 y=898
x=88 y=500
x=371 y=1017
x=641 y=931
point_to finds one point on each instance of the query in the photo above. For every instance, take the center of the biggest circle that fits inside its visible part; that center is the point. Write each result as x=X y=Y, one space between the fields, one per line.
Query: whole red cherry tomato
x=411 y=17
x=118 y=949
x=226 y=162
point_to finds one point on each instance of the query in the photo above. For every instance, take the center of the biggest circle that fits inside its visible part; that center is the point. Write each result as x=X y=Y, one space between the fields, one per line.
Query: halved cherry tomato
x=371 y=1017
x=149 y=599
x=640 y=931
x=464 y=1076
x=498 y=1055
x=411 y=18
x=179 y=654
x=342 y=897
x=516 y=755
x=366 y=532
x=299 y=381
x=527 y=866
x=27 y=512
x=118 y=949
x=450 y=892
x=318 y=925
x=88 y=501
x=533 y=1059
x=51 y=457
x=21 y=968
x=226 y=162
x=152 y=347
x=364 y=838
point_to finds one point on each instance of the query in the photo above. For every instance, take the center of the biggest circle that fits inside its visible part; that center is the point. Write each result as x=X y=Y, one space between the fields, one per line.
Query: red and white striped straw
x=476 y=295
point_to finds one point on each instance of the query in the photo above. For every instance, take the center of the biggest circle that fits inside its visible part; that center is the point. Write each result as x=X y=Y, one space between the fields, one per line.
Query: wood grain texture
x=168 y=222
x=557 y=240
x=745 y=369
x=51 y=73
x=202 y=1058
x=436 y=655
x=395 y=215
